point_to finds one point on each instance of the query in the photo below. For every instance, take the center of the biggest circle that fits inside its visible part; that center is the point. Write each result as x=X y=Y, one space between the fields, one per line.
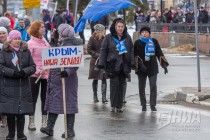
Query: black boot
x=144 y=108
x=95 y=87
x=20 y=127
x=103 y=91
x=153 y=108
x=11 y=127
x=49 y=130
x=124 y=91
x=70 y=126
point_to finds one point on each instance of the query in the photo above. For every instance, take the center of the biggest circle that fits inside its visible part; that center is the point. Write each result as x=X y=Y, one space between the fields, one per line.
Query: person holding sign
x=16 y=65
x=93 y=48
x=146 y=51
x=54 y=100
x=35 y=44
x=117 y=58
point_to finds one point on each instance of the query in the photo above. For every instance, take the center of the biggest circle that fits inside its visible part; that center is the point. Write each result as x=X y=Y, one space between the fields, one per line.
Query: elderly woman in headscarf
x=54 y=99
x=93 y=48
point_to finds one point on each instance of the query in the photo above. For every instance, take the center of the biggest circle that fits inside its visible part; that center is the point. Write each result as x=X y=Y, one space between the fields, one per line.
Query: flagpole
x=56 y=4
x=64 y=104
x=67 y=5
x=75 y=12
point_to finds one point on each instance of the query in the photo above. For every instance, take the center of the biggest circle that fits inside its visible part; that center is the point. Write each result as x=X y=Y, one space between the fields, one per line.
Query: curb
x=190 y=98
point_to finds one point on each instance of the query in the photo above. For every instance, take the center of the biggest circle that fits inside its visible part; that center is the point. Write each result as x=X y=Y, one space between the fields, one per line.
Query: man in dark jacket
x=190 y=18
x=203 y=19
x=203 y=16
x=138 y=11
x=47 y=22
x=146 y=52
x=104 y=21
x=117 y=58
x=168 y=15
x=57 y=20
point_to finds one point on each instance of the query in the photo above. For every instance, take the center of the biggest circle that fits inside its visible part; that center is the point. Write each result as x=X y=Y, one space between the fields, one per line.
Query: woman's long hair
x=34 y=29
x=98 y=35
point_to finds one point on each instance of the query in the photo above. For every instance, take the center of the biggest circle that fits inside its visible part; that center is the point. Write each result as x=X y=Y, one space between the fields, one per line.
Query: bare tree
x=4 y=6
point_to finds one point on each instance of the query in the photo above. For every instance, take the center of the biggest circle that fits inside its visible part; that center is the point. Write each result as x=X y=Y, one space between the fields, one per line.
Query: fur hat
x=99 y=27
x=14 y=34
x=65 y=30
x=4 y=22
x=3 y=29
x=145 y=28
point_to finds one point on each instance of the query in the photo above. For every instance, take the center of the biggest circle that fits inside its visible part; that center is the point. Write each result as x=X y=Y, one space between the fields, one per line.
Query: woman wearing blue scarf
x=117 y=58
x=147 y=50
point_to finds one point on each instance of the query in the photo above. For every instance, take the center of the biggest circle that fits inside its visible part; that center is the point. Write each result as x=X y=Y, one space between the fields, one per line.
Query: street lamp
x=196 y=45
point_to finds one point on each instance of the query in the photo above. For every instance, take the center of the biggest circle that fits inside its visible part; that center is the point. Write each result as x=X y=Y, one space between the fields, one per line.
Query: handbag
x=140 y=65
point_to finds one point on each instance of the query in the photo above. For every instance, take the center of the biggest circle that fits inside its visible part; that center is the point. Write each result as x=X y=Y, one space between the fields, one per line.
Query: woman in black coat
x=117 y=58
x=16 y=65
x=146 y=51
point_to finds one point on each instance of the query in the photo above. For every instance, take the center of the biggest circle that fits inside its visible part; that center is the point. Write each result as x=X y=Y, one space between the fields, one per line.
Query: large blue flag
x=96 y=9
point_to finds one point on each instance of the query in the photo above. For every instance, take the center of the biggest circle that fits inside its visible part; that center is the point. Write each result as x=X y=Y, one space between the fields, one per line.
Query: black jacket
x=152 y=65
x=109 y=56
x=15 y=95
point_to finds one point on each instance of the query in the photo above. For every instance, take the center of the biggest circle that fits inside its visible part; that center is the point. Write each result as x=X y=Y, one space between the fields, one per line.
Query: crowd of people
x=172 y=15
x=113 y=56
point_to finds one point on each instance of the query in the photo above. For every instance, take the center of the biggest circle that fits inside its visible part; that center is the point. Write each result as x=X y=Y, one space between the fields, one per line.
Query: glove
x=64 y=74
x=165 y=70
x=100 y=66
x=21 y=73
x=133 y=66
x=16 y=75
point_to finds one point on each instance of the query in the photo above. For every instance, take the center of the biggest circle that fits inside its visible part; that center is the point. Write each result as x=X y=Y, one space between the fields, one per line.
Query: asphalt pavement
x=174 y=119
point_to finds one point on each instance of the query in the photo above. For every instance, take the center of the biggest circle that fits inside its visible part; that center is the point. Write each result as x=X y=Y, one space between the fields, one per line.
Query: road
x=174 y=120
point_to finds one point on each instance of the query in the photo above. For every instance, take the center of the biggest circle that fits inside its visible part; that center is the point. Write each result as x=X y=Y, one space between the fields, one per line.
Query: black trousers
x=13 y=120
x=96 y=81
x=35 y=93
x=81 y=34
x=153 y=88
x=116 y=90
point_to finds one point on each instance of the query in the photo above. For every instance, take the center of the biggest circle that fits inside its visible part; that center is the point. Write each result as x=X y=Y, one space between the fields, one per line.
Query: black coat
x=152 y=65
x=15 y=95
x=109 y=56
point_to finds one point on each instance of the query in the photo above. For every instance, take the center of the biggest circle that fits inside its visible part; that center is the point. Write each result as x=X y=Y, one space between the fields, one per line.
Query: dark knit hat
x=145 y=28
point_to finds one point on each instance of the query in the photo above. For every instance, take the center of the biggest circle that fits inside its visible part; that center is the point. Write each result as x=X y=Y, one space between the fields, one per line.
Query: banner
x=44 y=4
x=58 y=57
x=31 y=3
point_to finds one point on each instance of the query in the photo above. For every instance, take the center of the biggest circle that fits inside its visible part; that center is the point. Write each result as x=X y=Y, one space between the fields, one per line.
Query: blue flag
x=96 y=9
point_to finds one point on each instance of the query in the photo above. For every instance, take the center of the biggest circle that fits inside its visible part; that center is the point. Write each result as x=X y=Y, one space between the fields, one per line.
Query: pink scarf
x=14 y=47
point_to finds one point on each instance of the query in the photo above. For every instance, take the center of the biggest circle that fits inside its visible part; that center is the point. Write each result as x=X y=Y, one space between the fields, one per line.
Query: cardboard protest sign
x=66 y=56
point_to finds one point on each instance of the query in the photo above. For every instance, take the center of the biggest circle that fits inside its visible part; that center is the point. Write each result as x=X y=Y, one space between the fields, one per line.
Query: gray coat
x=15 y=95
x=54 y=99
